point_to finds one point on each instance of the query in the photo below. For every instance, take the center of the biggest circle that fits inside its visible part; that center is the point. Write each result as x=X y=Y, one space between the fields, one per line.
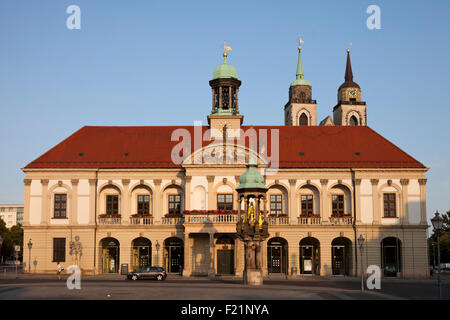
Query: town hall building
x=108 y=197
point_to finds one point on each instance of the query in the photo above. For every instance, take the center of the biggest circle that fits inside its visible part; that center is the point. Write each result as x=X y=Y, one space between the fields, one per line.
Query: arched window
x=353 y=121
x=303 y=120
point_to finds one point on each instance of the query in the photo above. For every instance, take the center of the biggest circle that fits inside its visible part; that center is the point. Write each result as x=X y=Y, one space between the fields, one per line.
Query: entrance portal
x=310 y=256
x=341 y=256
x=391 y=256
x=225 y=255
x=173 y=255
x=277 y=253
x=141 y=253
x=110 y=255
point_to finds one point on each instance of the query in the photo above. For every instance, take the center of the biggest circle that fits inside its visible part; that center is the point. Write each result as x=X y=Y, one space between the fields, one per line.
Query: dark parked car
x=157 y=273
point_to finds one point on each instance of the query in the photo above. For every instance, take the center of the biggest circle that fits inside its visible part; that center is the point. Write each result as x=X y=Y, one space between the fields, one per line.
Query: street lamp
x=437 y=223
x=360 y=244
x=30 y=245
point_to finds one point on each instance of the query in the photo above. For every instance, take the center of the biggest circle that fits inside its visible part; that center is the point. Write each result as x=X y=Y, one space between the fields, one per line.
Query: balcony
x=172 y=219
x=230 y=218
x=341 y=220
x=141 y=220
x=278 y=220
x=312 y=220
x=106 y=219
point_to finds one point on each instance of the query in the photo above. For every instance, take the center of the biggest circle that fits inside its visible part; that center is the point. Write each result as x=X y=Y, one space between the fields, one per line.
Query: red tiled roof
x=151 y=147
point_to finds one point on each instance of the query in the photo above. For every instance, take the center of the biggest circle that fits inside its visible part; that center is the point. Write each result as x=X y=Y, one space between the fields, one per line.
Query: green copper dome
x=224 y=70
x=251 y=178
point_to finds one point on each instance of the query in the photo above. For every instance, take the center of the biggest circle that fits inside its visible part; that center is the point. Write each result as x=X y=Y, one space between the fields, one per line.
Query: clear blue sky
x=149 y=62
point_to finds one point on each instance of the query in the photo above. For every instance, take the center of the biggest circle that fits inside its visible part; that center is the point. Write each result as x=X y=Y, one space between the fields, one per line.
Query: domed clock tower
x=225 y=103
x=350 y=110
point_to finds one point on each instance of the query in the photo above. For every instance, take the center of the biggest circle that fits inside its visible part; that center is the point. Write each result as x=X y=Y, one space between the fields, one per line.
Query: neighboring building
x=120 y=190
x=12 y=214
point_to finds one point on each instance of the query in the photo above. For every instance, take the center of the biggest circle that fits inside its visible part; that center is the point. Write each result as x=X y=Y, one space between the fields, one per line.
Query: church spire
x=300 y=77
x=349 y=83
x=348 y=69
x=299 y=74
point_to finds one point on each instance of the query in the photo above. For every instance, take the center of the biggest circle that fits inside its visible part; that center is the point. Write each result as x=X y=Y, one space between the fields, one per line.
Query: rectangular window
x=174 y=203
x=276 y=204
x=338 y=205
x=307 y=205
x=112 y=204
x=60 y=206
x=225 y=202
x=143 y=205
x=59 y=249
x=390 y=209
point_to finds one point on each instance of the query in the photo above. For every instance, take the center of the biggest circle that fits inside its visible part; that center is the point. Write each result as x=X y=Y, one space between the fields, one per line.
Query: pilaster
x=187 y=193
x=187 y=270
x=211 y=202
x=92 y=197
x=212 y=270
x=26 y=210
x=293 y=212
x=324 y=202
x=375 y=202
x=73 y=218
x=158 y=206
x=423 y=201
x=405 y=216
x=357 y=205
x=126 y=207
x=45 y=201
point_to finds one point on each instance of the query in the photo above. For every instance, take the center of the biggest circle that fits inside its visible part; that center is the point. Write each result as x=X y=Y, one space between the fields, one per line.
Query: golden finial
x=300 y=41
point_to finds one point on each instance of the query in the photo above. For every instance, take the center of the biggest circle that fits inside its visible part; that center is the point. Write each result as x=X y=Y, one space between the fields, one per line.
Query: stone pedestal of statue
x=253 y=277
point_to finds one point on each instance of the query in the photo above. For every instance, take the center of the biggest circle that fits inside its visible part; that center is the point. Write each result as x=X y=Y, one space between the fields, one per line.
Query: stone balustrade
x=109 y=220
x=278 y=220
x=309 y=220
x=211 y=218
x=141 y=220
x=347 y=220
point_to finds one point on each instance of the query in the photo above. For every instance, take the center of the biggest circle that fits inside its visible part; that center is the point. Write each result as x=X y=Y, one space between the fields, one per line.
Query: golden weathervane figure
x=300 y=41
x=226 y=48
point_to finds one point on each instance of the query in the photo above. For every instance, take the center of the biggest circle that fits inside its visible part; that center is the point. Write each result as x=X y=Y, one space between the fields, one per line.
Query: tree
x=11 y=237
x=444 y=238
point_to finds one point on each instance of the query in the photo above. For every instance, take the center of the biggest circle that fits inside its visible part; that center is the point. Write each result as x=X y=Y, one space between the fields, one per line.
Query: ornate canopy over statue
x=252 y=227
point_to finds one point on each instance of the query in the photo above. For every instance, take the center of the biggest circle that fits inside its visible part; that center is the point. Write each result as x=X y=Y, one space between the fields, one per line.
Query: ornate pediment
x=228 y=154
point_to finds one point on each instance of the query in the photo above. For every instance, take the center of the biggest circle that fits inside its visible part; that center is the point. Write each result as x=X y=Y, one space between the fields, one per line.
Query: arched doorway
x=391 y=256
x=173 y=254
x=110 y=255
x=341 y=253
x=277 y=255
x=141 y=253
x=225 y=255
x=310 y=256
